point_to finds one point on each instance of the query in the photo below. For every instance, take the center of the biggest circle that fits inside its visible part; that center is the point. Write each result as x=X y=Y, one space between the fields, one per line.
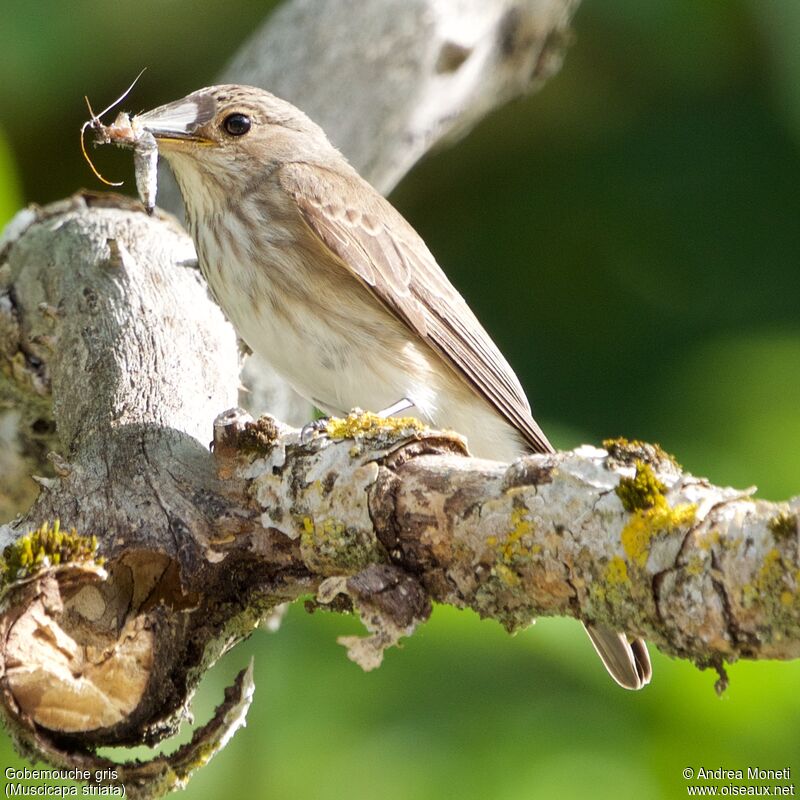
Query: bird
x=324 y=278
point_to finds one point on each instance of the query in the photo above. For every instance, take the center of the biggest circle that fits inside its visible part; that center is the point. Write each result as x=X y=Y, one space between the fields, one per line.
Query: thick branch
x=200 y=548
x=106 y=313
x=622 y=537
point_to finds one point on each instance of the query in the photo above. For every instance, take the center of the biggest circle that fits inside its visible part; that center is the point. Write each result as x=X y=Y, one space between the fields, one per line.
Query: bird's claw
x=316 y=428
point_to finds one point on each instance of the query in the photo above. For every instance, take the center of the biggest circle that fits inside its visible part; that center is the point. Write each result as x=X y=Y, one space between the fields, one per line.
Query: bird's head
x=229 y=131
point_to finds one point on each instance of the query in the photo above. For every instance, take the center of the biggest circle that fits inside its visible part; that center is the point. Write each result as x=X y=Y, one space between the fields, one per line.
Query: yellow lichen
x=644 y=496
x=771 y=573
x=48 y=546
x=645 y=524
x=333 y=528
x=597 y=592
x=517 y=544
x=328 y=532
x=696 y=564
x=774 y=584
x=614 y=586
x=509 y=552
x=330 y=546
x=367 y=425
x=709 y=539
x=616 y=571
x=521 y=526
x=508 y=576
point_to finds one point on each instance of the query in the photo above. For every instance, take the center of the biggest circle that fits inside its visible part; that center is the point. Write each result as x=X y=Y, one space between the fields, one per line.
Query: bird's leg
x=401 y=405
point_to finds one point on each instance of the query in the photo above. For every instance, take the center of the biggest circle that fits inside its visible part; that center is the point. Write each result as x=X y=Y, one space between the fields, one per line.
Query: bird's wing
x=376 y=243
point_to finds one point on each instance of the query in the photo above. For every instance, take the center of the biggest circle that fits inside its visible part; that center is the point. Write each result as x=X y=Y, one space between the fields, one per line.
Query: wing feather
x=376 y=243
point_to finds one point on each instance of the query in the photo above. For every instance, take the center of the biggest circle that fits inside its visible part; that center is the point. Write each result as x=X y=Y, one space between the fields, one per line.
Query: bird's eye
x=236 y=124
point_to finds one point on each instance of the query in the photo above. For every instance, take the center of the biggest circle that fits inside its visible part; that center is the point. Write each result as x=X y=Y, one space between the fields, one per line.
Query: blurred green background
x=630 y=236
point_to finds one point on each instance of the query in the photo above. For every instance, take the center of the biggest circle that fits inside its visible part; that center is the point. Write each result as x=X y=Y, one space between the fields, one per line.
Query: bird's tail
x=628 y=662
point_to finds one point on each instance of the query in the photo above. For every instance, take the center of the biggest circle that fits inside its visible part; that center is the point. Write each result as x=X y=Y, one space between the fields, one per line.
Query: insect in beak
x=126 y=131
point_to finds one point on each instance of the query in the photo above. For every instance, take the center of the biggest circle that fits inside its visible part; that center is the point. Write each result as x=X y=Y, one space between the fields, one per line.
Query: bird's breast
x=329 y=337
x=316 y=324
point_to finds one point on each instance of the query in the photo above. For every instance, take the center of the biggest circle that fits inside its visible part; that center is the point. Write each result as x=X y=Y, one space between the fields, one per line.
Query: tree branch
x=113 y=361
x=619 y=536
x=197 y=549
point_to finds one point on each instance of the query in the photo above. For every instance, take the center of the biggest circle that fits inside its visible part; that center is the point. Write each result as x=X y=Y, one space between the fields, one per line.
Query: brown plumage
x=388 y=255
x=324 y=278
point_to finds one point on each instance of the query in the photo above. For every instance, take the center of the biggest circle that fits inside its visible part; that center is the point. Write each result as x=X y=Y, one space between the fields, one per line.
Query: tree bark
x=114 y=363
x=103 y=642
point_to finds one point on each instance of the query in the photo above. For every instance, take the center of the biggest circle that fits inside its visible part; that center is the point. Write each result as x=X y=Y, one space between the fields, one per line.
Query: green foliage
x=10 y=194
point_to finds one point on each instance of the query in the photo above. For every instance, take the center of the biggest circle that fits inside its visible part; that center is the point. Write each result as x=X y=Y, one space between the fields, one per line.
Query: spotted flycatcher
x=324 y=278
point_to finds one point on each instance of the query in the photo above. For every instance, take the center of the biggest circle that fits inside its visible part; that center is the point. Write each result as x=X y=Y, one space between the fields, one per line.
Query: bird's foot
x=317 y=427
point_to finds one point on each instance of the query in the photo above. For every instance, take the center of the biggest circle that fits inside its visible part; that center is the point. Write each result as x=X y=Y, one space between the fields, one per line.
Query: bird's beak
x=180 y=121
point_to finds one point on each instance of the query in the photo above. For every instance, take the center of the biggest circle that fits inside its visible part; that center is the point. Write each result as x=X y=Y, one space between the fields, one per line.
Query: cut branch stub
x=97 y=654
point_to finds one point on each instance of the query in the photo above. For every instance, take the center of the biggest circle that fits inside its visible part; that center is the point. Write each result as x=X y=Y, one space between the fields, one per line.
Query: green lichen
x=515 y=548
x=366 y=425
x=775 y=589
x=503 y=597
x=614 y=586
x=48 y=546
x=626 y=452
x=330 y=547
x=616 y=572
x=503 y=590
x=783 y=526
x=503 y=594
